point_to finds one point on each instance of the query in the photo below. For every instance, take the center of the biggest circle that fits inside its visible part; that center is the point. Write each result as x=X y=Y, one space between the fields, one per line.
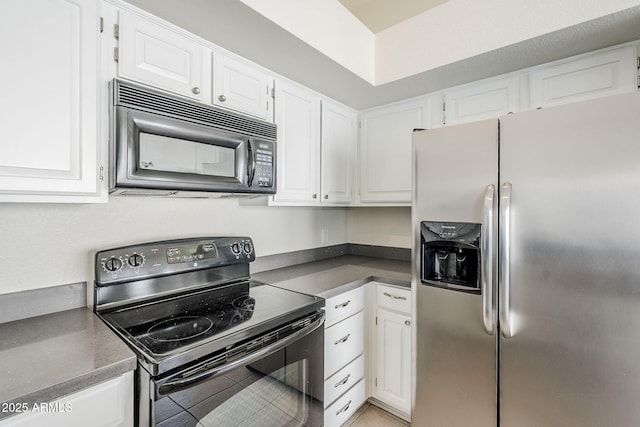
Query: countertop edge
x=361 y=282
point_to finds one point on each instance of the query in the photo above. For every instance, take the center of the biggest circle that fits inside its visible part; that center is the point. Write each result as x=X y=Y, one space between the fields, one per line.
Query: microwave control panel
x=265 y=171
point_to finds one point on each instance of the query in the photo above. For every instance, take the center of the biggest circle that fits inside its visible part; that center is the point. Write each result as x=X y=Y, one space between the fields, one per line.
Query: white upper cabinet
x=160 y=57
x=316 y=149
x=49 y=103
x=385 y=151
x=482 y=100
x=241 y=87
x=297 y=115
x=338 y=153
x=609 y=72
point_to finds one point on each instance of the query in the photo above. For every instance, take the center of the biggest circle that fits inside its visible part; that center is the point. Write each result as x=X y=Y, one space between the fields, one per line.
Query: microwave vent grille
x=135 y=97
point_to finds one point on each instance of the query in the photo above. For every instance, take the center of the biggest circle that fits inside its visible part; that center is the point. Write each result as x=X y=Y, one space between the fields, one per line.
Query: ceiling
x=378 y=15
x=269 y=45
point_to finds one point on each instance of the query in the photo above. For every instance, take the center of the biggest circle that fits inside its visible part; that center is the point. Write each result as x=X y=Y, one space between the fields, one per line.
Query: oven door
x=279 y=385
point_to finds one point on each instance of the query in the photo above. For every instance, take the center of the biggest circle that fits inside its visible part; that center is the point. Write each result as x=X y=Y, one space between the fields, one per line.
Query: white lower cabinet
x=343 y=342
x=108 y=404
x=343 y=380
x=345 y=406
x=367 y=351
x=391 y=349
x=344 y=359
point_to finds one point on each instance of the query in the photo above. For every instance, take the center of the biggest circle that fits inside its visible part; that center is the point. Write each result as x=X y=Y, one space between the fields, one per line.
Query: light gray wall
x=52 y=244
x=383 y=226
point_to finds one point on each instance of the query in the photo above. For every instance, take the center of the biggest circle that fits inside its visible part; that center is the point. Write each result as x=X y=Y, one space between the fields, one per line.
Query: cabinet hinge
x=101 y=24
x=101 y=173
x=376 y=382
x=116 y=54
x=116 y=31
x=273 y=92
x=444 y=113
x=376 y=320
x=359 y=124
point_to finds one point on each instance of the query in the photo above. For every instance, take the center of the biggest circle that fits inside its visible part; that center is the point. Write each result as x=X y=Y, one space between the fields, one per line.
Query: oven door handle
x=190 y=380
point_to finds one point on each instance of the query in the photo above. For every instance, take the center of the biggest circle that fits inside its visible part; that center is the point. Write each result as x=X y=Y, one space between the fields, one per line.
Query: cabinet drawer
x=343 y=342
x=347 y=405
x=343 y=380
x=344 y=305
x=392 y=298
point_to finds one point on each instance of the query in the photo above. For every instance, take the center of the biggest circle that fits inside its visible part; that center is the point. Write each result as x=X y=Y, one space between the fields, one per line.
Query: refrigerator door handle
x=486 y=254
x=503 y=280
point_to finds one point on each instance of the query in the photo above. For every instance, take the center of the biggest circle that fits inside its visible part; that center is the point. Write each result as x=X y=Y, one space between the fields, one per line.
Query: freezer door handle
x=503 y=280
x=486 y=255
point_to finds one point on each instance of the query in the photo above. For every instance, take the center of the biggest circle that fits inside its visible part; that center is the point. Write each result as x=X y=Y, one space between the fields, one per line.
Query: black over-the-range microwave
x=161 y=144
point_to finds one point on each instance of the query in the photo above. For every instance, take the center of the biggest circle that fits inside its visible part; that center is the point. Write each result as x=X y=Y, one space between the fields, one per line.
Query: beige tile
x=372 y=416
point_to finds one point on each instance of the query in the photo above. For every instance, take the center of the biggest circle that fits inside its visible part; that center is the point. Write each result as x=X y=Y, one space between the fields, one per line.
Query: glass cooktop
x=178 y=323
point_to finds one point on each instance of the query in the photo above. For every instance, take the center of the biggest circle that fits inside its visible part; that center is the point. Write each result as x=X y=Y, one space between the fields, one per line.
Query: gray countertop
x=333 y=276
x=46 y=357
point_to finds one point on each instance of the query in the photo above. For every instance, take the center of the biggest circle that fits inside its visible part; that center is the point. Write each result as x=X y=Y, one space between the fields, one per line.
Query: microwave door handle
x=252 y=163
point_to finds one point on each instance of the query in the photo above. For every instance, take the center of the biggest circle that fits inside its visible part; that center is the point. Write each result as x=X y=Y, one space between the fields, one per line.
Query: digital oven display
x=190 y=253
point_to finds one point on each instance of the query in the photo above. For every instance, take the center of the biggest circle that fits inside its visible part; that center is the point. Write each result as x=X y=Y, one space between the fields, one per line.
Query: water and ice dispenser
x=450 y=255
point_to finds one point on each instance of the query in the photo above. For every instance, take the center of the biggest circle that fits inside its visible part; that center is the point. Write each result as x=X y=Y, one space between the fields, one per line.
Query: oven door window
x=269 y=392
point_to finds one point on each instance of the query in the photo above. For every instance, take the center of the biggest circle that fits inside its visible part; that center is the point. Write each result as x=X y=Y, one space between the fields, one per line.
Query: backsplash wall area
x=46 y=245
x=380 y=226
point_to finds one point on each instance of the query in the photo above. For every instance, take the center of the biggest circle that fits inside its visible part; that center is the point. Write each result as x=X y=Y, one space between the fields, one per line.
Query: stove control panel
x=170 y=257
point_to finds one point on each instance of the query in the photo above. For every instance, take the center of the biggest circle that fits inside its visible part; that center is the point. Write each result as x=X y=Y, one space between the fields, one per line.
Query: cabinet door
x=159 y=56
x=343 y=342
x=297 y=116
x=49 y=103
x=393 y=355
x=484 y=100
x=338 y=153
x=241 y=87
x=591 y=76
x=108 y=404
x=385 y=151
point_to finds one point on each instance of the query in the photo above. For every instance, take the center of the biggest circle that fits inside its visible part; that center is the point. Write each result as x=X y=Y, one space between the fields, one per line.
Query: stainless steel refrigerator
x=526 y=271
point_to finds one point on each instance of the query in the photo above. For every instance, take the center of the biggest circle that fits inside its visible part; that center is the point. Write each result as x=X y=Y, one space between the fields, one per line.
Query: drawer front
x=343 y=305
x=343 y=380
x=343 y=342
x=344 y=407
x=393 y=298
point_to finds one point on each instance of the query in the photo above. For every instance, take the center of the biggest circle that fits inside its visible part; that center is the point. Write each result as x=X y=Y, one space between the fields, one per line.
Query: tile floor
x=371 y=416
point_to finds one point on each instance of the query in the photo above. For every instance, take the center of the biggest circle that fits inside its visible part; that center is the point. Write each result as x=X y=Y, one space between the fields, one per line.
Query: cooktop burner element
x=179 y=328
x=244 y=302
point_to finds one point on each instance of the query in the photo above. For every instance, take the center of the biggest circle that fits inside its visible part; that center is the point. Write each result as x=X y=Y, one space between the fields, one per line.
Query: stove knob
x=136 y=260
x=113 y=264
x=247 y=248
x=235 y=248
